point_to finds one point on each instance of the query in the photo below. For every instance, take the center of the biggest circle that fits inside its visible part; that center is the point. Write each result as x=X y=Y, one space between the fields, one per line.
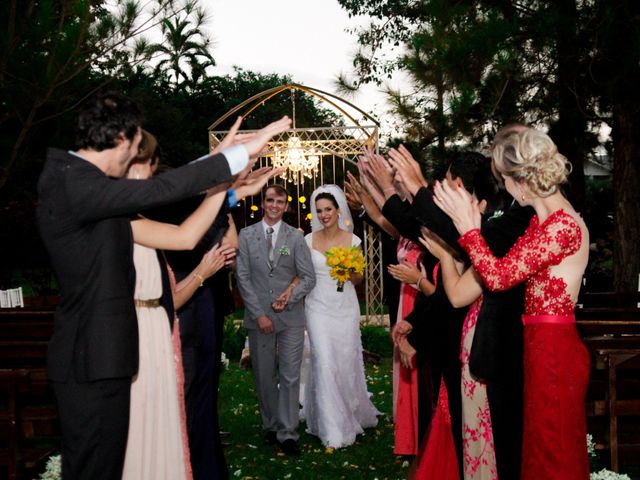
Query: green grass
x=248 y=457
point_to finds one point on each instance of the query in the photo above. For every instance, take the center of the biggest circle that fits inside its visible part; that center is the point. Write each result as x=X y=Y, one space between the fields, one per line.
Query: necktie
x=270 y=244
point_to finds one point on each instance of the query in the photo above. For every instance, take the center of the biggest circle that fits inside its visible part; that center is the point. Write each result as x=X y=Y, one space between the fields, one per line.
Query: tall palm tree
x=184 y=52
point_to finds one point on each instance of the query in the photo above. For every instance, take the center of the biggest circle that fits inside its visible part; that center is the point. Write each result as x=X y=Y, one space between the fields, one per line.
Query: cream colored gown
x=154 y=449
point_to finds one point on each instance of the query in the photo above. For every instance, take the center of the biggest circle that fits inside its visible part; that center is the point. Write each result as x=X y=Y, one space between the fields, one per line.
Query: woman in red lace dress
x=550 y=257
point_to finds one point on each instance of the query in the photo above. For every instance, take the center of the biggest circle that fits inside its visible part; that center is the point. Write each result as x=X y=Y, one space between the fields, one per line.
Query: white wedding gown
x=336 y=403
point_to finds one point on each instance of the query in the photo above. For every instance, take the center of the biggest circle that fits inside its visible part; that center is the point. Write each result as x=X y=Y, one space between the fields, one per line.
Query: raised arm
x=370 y=206
x=164 y=236
x=94 y=196
x=537 y=249
x=462 y=289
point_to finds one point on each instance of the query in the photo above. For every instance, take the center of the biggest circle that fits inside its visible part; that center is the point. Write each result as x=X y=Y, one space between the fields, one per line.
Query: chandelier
x=300 y=162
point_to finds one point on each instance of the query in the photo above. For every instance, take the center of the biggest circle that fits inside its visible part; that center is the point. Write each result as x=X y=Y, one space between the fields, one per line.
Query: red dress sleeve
x=540 y=247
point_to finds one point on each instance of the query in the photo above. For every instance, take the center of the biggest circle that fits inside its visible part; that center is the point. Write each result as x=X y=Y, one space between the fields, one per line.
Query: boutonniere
x=284 y=251
x=496 y=214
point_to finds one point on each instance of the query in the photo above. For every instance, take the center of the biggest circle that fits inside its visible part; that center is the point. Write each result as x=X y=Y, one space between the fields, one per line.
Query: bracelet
x=232 y=200
x=420 y=278
x=199 y=277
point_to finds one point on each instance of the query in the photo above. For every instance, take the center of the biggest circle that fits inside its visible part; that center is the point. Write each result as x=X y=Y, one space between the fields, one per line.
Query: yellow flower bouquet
x=343 y=262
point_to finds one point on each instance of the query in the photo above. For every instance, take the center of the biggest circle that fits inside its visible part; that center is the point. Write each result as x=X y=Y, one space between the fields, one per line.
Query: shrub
x=233 y=339
x=376 y=339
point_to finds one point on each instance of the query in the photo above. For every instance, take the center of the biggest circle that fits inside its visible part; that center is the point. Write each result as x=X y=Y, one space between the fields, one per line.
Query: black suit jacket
x=496 y=352
x=83 y=217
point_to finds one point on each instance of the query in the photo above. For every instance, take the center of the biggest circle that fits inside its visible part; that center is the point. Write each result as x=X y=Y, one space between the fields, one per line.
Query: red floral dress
x=479 y=456
x=555 y=360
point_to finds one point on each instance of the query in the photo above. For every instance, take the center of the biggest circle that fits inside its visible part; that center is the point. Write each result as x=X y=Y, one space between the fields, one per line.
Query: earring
x=137 y=176
x=523 y=197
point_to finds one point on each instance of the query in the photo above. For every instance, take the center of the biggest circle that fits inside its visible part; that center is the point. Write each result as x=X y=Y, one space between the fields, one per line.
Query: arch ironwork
x=336 y=148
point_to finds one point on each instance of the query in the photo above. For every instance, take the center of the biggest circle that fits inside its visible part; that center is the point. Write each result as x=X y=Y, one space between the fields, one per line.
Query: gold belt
x=151 y=303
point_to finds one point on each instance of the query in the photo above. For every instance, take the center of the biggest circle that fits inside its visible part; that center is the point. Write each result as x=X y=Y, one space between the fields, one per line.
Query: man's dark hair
x=465 y=165
x=103 y=118
x=279 y=189
x=474 y=169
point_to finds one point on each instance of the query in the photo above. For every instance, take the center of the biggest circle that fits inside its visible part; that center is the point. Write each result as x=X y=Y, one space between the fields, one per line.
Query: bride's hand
x=282 y=301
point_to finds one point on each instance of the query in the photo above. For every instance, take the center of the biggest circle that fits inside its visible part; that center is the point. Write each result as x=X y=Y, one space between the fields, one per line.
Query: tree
x=483 y=63
x=57 y=53
x=184 y=52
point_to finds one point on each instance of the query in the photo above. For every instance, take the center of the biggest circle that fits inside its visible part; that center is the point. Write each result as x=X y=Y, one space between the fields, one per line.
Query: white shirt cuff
x=237 y=158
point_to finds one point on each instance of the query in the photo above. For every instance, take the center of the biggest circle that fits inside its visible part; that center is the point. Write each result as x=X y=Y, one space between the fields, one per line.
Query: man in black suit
x=83 y=218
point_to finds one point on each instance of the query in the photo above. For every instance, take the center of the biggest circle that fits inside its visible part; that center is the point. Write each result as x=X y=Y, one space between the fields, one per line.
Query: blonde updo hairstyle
x=530 y=156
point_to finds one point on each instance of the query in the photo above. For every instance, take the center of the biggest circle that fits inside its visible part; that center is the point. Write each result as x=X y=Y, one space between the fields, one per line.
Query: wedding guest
x=156 y=445
x=83 y=218
x=201 y=335
x=408 y=391
x=479 y=459
x=550 y=257
x=496 y=351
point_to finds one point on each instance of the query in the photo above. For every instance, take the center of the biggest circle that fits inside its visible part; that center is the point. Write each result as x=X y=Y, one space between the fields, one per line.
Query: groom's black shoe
x=271 y=438
x=290 y=447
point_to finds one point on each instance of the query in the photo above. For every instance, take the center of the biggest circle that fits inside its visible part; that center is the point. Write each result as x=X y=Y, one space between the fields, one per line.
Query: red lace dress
x=556 y=362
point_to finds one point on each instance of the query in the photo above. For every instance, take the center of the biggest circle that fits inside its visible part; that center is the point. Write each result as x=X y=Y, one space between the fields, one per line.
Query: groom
x=272 y=255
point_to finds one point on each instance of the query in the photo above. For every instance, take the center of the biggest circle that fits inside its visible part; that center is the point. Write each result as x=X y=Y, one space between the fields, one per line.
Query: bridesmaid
x=156 y=446
x=550 y=257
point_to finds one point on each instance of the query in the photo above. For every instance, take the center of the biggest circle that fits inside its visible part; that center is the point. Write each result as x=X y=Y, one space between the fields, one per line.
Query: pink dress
x=556 y=363
x=406 y=379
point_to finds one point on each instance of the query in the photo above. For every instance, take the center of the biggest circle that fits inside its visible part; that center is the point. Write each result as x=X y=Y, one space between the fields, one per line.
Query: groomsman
x=272 y=257
x=84 y=219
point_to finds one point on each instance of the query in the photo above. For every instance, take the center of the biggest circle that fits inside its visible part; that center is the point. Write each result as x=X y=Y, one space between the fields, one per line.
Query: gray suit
x=276 y=357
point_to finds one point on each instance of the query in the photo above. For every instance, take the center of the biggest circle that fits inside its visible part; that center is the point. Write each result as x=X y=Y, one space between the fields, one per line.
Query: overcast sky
x=303 y=38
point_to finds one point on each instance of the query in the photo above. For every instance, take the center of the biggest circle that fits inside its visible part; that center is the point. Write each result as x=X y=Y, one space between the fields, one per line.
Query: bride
x=336 y=402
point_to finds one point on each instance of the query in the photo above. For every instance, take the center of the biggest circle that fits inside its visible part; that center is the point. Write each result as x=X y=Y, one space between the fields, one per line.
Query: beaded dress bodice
x=542 y=246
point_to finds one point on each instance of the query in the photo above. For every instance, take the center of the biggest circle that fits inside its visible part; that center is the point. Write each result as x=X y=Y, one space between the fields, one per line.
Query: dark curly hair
x=327 y=196
x=103 y=118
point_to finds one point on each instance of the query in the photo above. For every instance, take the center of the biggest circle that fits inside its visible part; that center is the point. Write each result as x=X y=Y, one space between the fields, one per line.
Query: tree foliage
x=475 y=65
x=55 y=54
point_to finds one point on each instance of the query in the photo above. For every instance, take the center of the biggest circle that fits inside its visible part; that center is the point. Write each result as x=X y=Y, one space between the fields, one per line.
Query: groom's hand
x=265 y=324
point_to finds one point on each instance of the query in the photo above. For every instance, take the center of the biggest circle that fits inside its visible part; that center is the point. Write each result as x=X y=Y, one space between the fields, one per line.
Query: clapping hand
x=459 y=205
x=379 y=170
x=369 y=186
x=251 y=182
x=352 y=191
x=229 y=253
x=407 y=168
x=406 y=272
x=256 y=141
x=211 y=262
x=433 y=243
